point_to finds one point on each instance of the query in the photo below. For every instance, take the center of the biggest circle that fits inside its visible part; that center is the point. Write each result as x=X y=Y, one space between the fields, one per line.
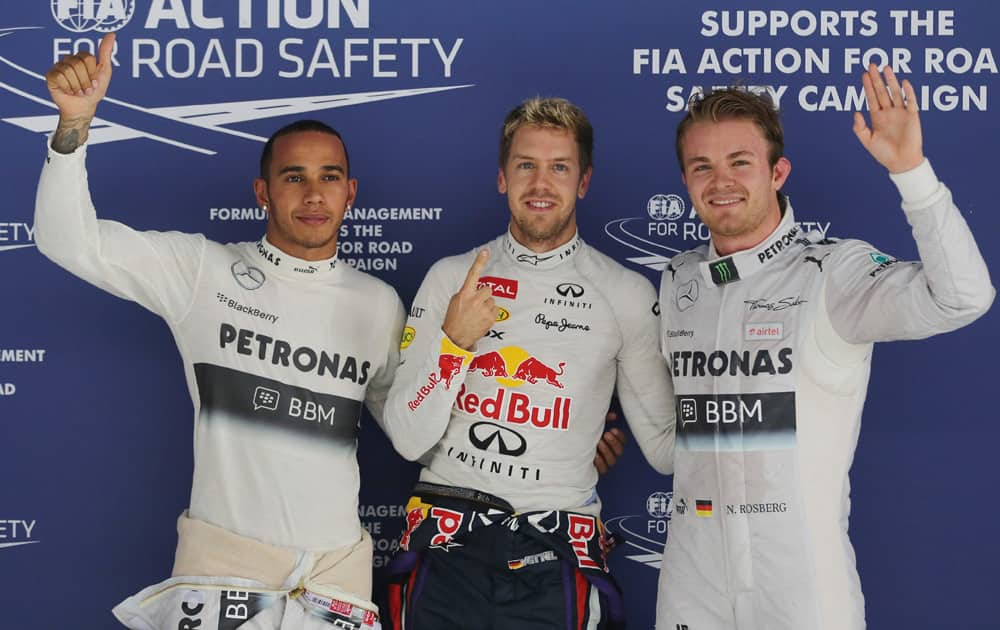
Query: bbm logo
x=265 y=398
x=689 y=411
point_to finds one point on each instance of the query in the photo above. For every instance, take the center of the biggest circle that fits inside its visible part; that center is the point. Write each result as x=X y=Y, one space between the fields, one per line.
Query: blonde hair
x=550 y=113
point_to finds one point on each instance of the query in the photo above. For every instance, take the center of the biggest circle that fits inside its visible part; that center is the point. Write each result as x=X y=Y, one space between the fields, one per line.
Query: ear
x=352 y=191
x=584 y=186
x=260 y=191
x=780 y=173
x=501 y=182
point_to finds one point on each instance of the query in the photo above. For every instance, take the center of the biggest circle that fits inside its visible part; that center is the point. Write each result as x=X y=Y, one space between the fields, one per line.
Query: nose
x=539 y=180
x=313 y=194
x=723 y=178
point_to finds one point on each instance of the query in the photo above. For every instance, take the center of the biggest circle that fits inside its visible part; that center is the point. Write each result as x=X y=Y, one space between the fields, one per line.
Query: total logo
x=103 y=16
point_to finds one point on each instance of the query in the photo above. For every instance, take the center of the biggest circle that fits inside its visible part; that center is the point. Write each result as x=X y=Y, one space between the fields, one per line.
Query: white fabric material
x=771 y=371
x=247 y=315
x=521 y=416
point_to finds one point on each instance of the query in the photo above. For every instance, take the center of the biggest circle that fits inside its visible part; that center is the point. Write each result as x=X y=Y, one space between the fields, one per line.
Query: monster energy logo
x=724 y=271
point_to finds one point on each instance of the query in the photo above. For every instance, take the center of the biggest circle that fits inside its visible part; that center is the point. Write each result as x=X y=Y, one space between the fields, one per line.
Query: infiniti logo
x=509 y=442
x=569 y=289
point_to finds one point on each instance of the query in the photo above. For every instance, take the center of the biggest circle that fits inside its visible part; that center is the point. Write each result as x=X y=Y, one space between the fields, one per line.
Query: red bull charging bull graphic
x=513 y=367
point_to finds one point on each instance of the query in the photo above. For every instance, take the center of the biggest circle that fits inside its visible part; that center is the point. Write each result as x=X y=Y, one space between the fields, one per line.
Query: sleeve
x=432 y=369
x=158 y=270
x=389 y=333
x=874 y=297
x=643 y=384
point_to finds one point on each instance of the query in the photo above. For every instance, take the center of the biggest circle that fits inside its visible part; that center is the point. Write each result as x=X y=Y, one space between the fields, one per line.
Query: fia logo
x=103 y=16
x=662 y=207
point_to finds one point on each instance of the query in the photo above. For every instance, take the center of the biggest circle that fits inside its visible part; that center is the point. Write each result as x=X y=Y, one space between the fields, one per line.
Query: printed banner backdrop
x=95 y=419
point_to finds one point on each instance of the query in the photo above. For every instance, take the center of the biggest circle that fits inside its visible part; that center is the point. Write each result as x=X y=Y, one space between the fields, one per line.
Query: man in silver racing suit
x=768 y=333
x=282 y=343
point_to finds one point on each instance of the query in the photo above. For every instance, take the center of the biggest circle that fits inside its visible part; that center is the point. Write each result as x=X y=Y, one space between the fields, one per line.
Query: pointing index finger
x=472 y=279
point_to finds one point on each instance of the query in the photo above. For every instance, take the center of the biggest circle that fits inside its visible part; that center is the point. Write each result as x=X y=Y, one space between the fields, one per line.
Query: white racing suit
x=769 y=350
x=279 y=356
x=519 y=418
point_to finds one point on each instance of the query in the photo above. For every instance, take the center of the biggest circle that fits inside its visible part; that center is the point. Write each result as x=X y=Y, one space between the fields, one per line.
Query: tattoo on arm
x=70 y=134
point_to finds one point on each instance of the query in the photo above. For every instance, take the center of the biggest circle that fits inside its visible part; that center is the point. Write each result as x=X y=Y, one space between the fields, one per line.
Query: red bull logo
x=448 y=522
x=450 y=365
x=513 y=366
x=581 y=532
x=413 y=520
x=532 y=370
x=489 y=364
x=516 y=408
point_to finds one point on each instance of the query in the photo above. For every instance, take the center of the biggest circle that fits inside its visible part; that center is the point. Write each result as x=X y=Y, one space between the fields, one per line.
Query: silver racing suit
x=769 y=351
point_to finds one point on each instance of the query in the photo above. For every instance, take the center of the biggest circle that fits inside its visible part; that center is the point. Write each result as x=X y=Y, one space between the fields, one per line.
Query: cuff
x=916 y=184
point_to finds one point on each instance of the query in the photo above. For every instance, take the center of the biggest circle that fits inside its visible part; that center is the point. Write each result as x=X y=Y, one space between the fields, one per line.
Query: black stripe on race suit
x=268 y=403
x=768 y=419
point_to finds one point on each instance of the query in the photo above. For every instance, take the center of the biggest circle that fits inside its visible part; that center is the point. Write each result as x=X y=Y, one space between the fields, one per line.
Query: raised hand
x=471 y=311
x=894 y=139
x=77 y=84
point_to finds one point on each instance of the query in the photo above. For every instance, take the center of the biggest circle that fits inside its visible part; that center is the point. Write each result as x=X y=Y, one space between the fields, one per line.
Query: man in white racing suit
x=768 y=333
x=282 y=343
x=511 y=354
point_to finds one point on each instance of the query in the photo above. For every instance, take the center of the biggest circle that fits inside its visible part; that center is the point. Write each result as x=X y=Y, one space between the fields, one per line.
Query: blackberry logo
x=103 y=16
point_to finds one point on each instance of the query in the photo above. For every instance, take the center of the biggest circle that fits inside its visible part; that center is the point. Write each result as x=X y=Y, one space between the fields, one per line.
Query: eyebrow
x=734 y=154
x=522 y=156
x=300 y=169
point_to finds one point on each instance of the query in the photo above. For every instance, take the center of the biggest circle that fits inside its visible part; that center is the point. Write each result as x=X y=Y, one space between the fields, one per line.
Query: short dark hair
x=297 y=127
x=549 y=113
x=735 y=103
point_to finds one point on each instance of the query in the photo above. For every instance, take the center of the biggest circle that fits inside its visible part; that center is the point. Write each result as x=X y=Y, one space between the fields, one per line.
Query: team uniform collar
x=277 y=260
x=544 y=260
x=721 y=270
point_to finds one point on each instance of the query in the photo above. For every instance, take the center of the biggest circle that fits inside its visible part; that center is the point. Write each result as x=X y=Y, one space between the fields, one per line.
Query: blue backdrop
x=95 y=421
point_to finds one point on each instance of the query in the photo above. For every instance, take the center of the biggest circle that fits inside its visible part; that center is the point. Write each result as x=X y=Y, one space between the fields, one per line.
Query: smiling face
x=731 y=183
x=542 y=179
x=306 y=192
